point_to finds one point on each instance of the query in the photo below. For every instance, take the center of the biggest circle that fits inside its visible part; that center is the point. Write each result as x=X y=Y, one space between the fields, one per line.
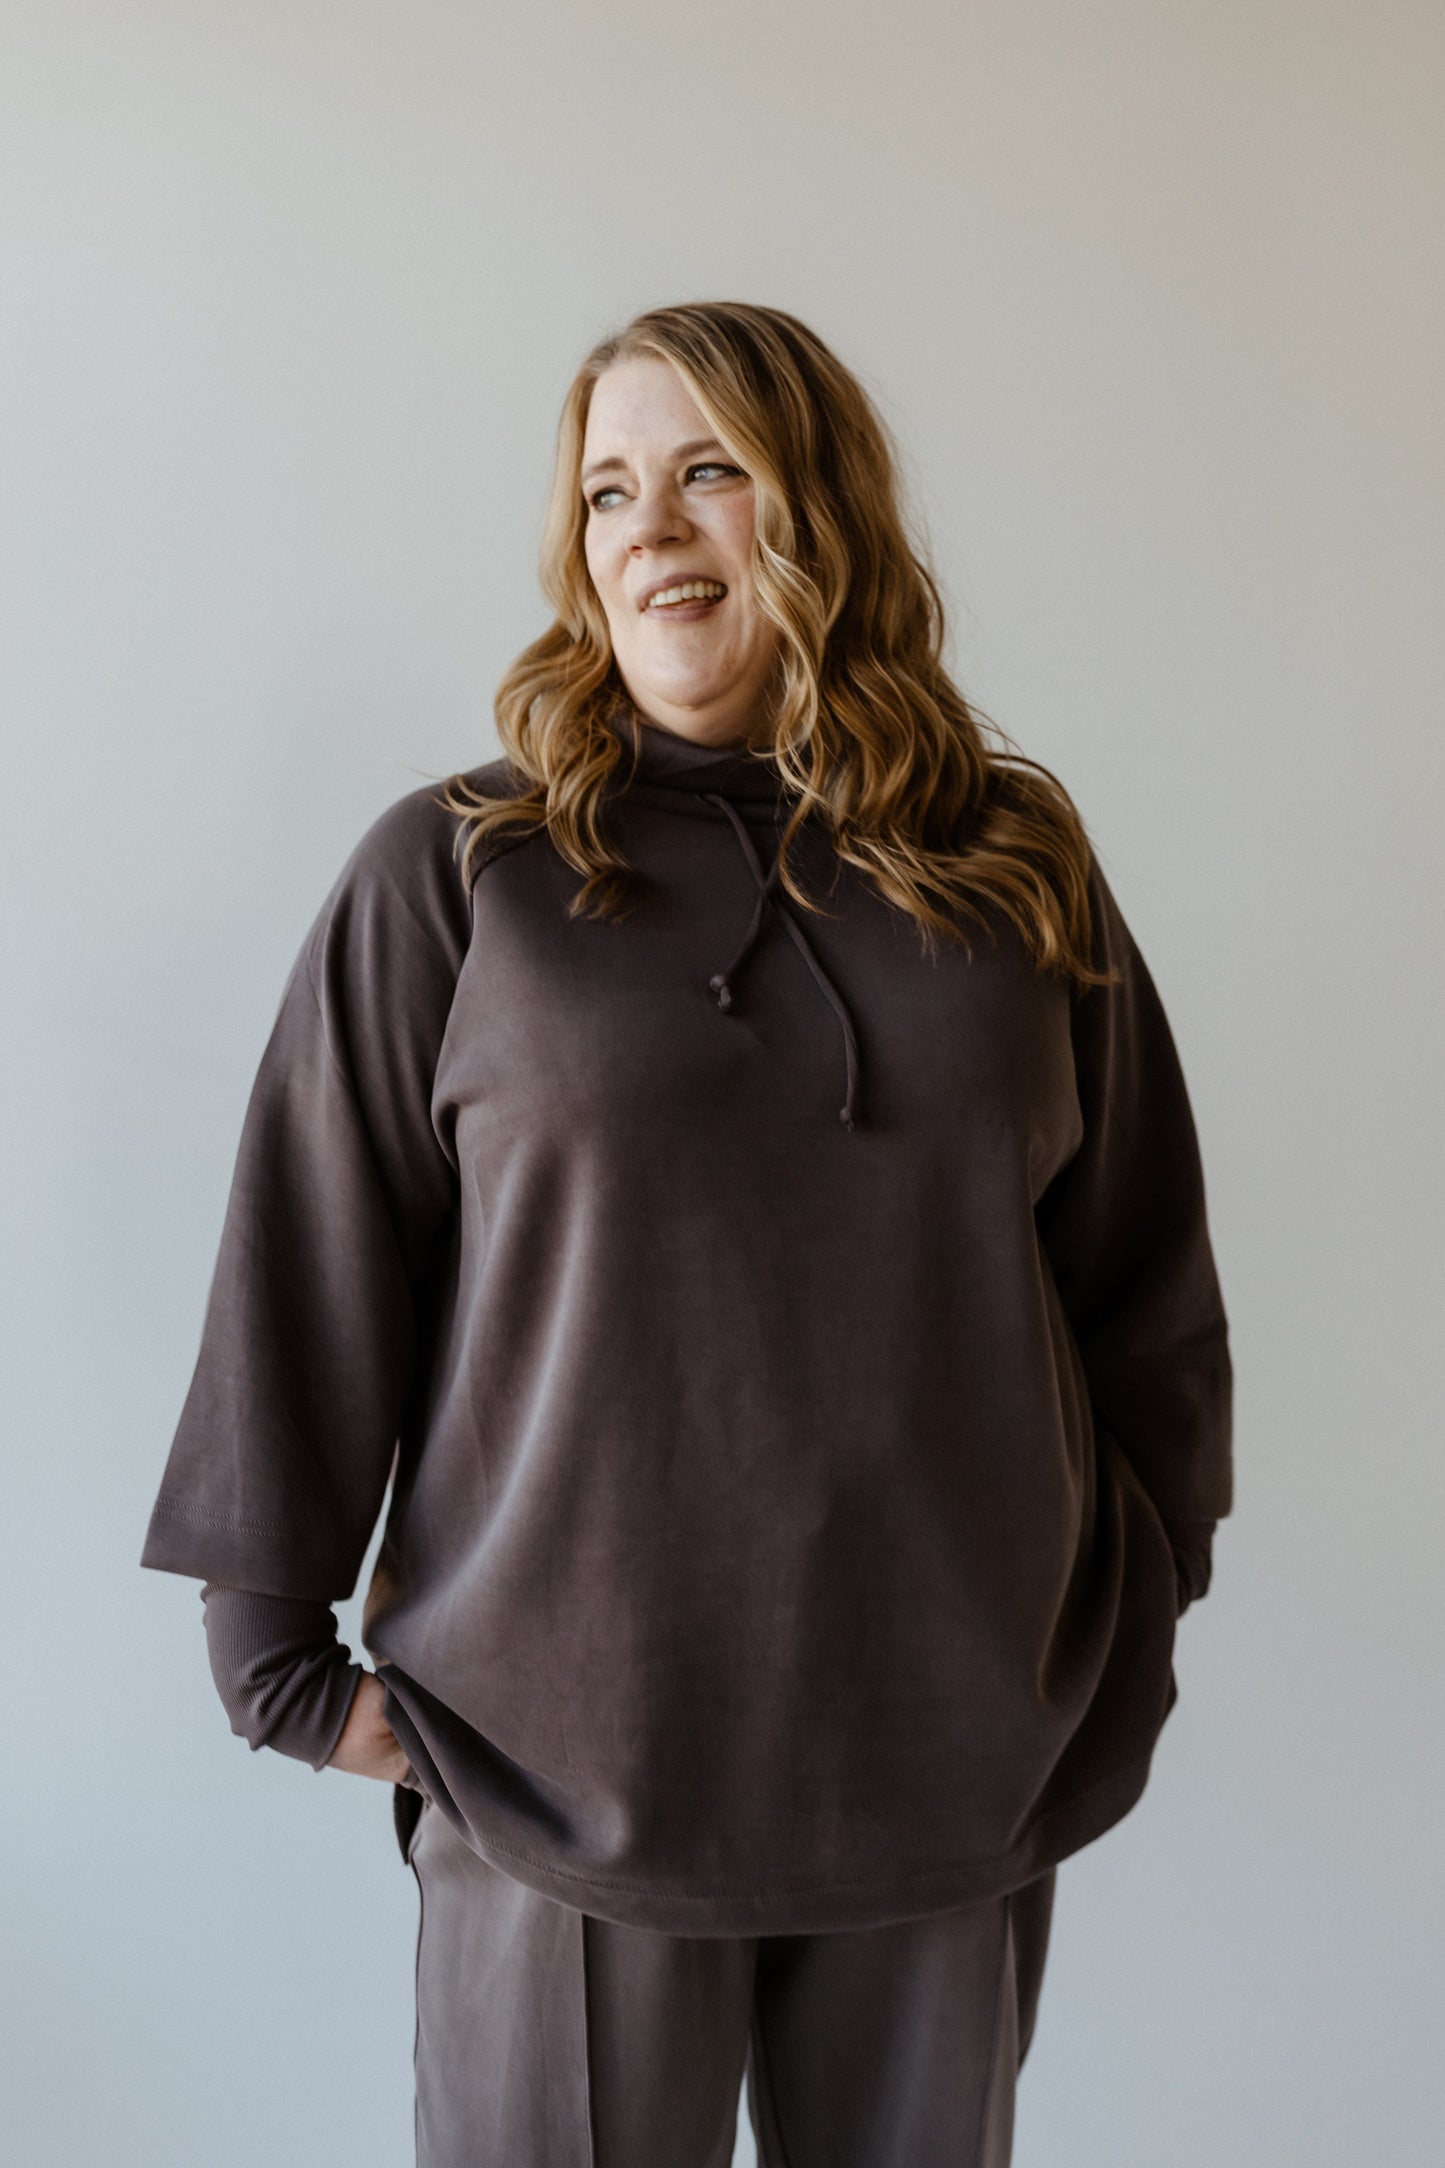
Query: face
x=666 y=506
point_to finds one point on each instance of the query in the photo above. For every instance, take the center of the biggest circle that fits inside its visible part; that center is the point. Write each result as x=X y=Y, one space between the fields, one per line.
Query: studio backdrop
x=1150 y=295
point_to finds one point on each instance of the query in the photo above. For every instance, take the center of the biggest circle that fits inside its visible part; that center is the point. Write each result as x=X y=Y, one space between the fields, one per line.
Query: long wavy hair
x=918 y=790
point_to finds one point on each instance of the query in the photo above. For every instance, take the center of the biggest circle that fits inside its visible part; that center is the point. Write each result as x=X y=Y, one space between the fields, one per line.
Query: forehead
x=641 y=400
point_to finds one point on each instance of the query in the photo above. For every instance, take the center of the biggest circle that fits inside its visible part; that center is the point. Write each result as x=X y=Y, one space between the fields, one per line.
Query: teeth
x=689 y=591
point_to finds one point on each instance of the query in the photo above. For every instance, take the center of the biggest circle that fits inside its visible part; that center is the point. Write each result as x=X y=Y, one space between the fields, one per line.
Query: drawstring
x=720 y=982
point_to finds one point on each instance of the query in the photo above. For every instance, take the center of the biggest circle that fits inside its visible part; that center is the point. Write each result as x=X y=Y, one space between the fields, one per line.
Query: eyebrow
x=681 y=451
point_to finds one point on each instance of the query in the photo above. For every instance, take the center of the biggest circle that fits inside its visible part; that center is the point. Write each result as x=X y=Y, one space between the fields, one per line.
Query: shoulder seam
x=496 y=847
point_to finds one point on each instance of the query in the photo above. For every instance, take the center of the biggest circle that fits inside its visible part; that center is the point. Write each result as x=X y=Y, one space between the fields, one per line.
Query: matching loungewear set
x=801 y=1372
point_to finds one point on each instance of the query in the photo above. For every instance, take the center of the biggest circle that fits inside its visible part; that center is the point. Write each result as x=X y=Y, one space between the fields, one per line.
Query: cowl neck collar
x=742 y=773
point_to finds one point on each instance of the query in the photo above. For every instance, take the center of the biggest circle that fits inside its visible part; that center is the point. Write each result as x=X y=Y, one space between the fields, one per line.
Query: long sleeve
x=285 y=1679
x=336 y=1225
x=1125 y=1228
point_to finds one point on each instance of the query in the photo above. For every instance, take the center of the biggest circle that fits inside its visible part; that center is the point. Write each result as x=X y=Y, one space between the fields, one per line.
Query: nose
x=657 y=517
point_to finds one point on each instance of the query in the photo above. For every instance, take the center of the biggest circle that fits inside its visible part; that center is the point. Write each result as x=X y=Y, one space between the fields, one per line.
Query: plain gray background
x=1151 y=293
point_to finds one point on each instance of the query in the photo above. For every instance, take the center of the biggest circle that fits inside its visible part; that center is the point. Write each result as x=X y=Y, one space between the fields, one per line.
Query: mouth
x=683 y=600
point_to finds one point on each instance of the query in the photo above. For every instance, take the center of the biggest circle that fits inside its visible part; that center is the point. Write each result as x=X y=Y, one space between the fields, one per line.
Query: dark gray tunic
x=781 y=1534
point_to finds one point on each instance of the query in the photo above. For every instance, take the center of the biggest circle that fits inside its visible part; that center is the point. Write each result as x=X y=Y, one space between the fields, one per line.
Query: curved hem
x=789 y=1906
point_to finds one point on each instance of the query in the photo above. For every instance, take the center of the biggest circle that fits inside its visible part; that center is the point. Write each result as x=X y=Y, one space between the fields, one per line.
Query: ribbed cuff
x=1193 y=1545
x=285 y=1679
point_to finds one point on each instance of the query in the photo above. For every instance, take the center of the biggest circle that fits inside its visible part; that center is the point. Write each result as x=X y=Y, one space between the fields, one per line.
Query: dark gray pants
x=546 y=2038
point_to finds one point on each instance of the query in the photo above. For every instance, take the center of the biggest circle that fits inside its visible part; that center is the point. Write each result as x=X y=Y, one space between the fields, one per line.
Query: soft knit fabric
x=287 y=1682
x=794 y=1350
x=284 y=1678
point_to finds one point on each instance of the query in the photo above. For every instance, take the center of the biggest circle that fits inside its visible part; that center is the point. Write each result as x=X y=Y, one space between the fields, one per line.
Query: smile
x=685 y=592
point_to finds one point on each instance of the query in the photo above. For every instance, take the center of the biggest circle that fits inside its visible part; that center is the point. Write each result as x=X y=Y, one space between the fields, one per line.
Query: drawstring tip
x=721 y=988
x=845 y=1117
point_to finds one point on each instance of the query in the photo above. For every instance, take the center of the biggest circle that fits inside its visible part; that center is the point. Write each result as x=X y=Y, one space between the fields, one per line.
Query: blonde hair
x=869 y=730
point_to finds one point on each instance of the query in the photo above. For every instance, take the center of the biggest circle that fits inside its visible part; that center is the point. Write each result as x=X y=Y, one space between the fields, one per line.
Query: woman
x=730 y=1155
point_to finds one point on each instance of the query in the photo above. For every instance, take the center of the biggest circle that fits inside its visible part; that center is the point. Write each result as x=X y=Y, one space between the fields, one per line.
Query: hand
x=368 y=1747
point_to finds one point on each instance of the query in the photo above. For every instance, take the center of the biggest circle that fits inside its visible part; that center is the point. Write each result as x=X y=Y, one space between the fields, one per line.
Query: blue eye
x=704 y=466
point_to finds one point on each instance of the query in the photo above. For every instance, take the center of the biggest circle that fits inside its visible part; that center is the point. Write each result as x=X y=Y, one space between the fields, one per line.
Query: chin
x=686 y=699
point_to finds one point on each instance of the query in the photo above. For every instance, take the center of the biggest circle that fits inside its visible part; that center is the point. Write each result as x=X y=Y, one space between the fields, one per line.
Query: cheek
x=738 y=535
x=606 y=586
x=739 y=545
